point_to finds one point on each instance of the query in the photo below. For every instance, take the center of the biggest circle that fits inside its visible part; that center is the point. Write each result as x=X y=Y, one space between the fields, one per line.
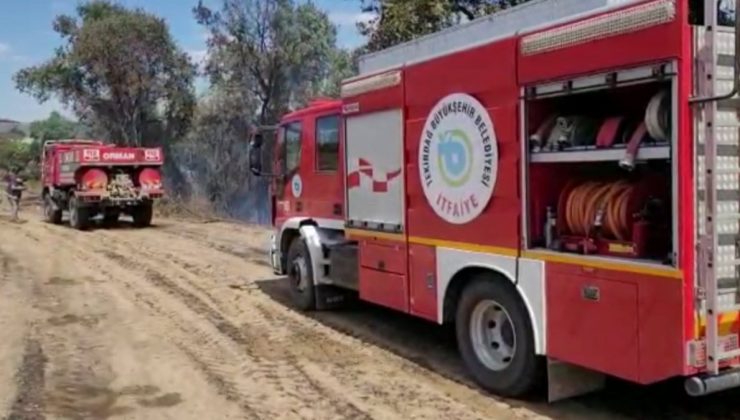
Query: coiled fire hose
x=598 y=204
x=657 y=116
x=656 y=124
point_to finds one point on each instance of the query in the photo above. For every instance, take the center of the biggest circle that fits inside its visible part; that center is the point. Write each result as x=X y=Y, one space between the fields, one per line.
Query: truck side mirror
x=255 y=155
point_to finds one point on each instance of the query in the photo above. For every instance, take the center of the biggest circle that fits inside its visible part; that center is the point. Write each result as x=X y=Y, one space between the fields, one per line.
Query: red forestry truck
x=559 y=181
x=90 y=178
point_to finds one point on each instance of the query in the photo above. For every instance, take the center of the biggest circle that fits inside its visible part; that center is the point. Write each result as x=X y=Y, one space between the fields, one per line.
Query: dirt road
x=186 y=321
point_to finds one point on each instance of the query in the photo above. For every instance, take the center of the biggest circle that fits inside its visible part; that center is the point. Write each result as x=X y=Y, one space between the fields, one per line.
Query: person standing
x=14 y=191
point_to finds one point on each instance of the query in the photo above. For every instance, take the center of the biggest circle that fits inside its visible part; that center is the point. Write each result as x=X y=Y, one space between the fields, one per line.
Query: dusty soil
x=184 y=320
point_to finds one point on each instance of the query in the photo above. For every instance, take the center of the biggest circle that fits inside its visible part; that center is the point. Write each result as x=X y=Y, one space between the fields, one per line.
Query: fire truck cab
x=559 y=181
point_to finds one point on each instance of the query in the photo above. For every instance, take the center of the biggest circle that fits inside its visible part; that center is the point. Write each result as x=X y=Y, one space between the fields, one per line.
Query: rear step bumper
x=698 y=386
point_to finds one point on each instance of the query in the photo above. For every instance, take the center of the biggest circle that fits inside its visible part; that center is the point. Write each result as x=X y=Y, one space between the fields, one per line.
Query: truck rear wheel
x=79 y=216
x=142 y=215
x=52 y=214
x=495 y=338
x=300 y=275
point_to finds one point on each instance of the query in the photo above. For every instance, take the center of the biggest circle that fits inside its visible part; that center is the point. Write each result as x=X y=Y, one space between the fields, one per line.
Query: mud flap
x=565 y=380
x=331 y=297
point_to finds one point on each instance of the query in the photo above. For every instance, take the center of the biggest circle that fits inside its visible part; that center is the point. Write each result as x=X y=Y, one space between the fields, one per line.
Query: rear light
x=94 y=179
x=150 y=179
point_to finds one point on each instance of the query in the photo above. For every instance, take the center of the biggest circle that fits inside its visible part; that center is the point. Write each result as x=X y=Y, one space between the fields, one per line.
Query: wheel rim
x=493 y=335
x=299 y=274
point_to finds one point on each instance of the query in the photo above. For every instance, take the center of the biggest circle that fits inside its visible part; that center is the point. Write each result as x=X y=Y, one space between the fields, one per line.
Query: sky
x=27 y=38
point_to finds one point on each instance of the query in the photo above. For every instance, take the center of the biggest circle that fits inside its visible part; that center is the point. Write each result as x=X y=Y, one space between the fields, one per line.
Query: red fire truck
x=559 y=181
x=90 y=178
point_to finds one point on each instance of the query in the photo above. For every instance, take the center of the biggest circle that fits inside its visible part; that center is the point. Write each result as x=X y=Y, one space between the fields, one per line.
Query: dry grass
x=197 y=210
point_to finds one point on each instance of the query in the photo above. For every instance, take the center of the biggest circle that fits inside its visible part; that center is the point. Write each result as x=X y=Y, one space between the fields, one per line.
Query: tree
x=276 y=51
x=56 y=127
x=120 y=71
x=343 y=66
x=17 y=154
x=215 y=151
x=399 y=21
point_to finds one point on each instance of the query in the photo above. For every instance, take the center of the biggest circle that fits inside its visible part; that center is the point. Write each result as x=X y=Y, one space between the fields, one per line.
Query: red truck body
x=451 y=182
x=89 y=177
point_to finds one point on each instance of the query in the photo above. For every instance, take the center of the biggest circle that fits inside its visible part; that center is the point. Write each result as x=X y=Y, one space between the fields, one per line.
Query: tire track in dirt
x=343 y=354
x=250 y=342
x=210 y=352
x=83 y=255
x=70 y=387
x=29 y=401
x=249 y=253
x=279 y=342
x=264 y=373
x=310 y=348
x=225 y=387
x=322 y=357
x=315 y=346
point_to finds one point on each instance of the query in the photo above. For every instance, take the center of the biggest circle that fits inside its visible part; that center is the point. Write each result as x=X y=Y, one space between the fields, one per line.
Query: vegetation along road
x=186 y=321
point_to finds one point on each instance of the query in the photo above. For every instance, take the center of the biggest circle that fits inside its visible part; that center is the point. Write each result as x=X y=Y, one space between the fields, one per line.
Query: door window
x=292 y=138
x=327 y=143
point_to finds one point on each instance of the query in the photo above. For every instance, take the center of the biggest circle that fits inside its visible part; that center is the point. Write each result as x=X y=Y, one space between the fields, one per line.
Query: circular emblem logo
x=458 y=158
x=296 y=185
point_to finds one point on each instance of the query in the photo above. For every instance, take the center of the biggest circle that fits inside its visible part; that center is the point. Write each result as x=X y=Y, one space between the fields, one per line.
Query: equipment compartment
x=599 y=167
x=602 y=320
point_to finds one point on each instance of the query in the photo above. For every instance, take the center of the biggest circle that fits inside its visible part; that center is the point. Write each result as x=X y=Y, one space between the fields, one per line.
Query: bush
x=18 y=154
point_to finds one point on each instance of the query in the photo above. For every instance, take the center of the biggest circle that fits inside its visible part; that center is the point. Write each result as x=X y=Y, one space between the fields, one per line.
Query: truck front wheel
x=52 y=213
x=79 y=216
x=300 y=275
x=495 y=338
x=142 y=215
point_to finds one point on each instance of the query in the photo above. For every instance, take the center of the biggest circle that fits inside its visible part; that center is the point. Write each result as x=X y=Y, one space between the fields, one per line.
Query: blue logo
x=296 y=186
x=455 y=157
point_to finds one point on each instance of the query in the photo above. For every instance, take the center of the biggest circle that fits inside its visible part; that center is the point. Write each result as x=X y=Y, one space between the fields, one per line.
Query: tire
x=51 y=215
x=79 y=216
x=143 y=215
x=300 y=276
x=488 y=304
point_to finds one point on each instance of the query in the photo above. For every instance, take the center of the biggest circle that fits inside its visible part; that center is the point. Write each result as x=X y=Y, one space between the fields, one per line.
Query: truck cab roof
x=77 y=142
x=317 y=105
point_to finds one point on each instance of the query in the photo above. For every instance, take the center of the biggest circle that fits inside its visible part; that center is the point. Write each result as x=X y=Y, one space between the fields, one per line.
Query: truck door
x=311 y=164
x=325 y=201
